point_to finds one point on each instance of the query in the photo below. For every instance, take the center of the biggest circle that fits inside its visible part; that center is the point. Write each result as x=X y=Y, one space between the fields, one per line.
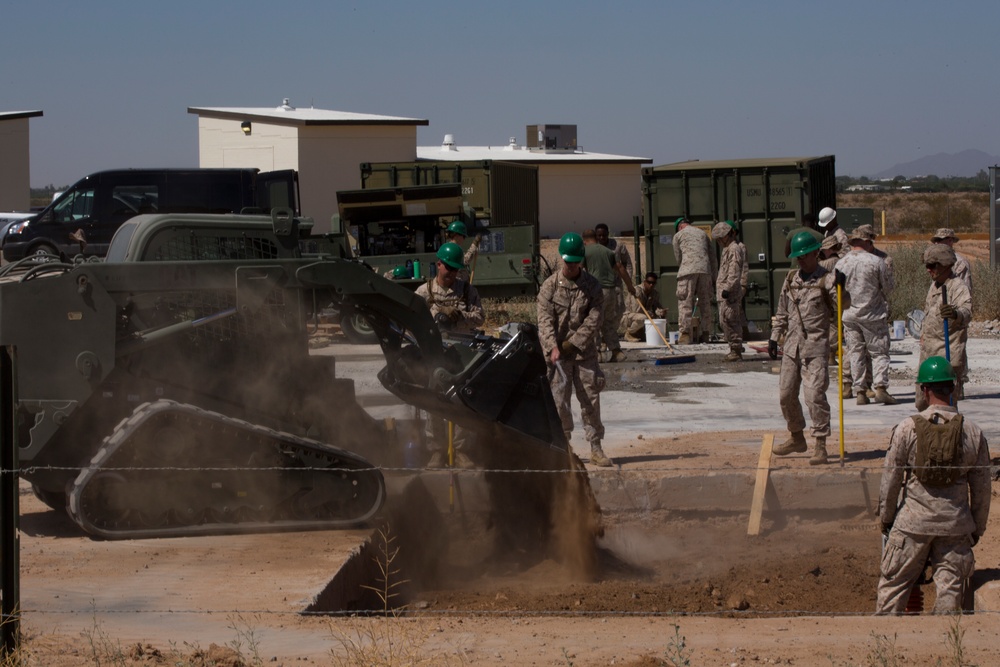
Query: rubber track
x=348 y=468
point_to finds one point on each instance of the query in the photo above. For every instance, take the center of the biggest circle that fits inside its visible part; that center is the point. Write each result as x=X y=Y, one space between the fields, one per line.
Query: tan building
x=576 y=189
x=325 y=147
x=15 y=165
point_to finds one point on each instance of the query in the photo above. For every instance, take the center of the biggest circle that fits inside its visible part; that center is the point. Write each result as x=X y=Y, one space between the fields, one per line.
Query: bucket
x=674 y=337
x=898 y=329
x=653 y=338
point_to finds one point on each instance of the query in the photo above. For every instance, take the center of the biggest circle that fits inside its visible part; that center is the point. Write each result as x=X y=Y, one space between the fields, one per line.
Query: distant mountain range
x=964 y=165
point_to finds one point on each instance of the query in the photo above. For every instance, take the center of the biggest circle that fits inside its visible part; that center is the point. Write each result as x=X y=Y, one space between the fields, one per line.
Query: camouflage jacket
x=932 y=328
x=694 y=252
x=868 y=285
x=806 y=309
x=570 y=310
x=462 y=296
x=732 y=266
x=959 y=509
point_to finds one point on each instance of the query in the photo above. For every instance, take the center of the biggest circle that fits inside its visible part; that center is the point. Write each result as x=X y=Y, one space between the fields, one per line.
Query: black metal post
x=10 y=582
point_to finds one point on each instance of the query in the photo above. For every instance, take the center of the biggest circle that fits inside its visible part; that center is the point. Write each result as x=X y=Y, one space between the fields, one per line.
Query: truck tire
x=357 y=330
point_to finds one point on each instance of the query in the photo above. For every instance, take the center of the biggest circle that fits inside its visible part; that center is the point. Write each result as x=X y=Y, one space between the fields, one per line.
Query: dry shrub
x=923 y=213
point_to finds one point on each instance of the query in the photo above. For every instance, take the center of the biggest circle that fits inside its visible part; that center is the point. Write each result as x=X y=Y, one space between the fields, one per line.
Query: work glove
x=450 y=313
x=948 y=311
x=569 y=349
x=772 y=349
x=725 y=294
x=839 y=277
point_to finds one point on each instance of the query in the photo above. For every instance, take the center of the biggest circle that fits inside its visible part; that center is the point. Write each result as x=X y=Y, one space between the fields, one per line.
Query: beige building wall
x=575 y=197
x=327 y=157
x=330 y=158
x=15 y=165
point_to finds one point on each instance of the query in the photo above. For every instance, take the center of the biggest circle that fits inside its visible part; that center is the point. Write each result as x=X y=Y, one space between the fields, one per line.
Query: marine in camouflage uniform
x=806 y=306
x=729 y=289
x=456 y=307
x=600 y=262
x=963 y=271
x=829 y=226
x=570 y=314
x=695 y=276
x=939 y=260
x=634 y=321
x=866 y=322
x=939 y=520
x=621 y=257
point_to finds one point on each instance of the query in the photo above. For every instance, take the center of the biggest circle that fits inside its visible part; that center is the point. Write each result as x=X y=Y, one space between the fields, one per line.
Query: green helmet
x=678 y=221
x=935 y=369
x=452 y=255
x=458 y=227
x=399 y=272
x=571 y=247
x=803 y=243
x=730 y=223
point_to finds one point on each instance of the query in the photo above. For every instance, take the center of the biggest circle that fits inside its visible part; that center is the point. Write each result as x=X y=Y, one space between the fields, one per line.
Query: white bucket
x=898 y=329
x=653 y=338
x=674 y=337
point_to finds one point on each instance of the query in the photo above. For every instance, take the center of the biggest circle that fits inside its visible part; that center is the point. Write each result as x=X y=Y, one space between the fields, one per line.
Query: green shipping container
x=767 y=198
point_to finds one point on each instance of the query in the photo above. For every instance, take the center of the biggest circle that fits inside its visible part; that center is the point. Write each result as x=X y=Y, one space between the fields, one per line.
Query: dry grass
x=916 y=213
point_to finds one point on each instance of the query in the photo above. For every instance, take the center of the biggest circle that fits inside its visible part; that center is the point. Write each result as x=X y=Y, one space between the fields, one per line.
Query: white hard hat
x=826 y=216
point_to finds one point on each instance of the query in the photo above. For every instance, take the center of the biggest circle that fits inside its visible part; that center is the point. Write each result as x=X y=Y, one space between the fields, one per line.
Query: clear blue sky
x=875 y=83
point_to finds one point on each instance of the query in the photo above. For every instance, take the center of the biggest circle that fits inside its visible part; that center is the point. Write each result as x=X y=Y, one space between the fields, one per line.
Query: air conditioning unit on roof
x=551 y=137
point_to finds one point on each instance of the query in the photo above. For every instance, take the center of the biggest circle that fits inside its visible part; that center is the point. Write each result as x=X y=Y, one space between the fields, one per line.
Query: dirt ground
x=669 y=584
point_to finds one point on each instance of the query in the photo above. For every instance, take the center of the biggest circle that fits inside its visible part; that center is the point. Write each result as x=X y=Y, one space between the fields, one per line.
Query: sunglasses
x=649 y=282
x=932 y=266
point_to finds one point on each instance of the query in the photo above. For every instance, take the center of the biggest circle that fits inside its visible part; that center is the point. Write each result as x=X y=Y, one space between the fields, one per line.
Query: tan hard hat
x=938 y=253
x=830 y=243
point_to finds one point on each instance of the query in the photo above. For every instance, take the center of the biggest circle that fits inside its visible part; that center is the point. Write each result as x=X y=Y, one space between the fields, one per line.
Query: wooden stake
x=760 y=487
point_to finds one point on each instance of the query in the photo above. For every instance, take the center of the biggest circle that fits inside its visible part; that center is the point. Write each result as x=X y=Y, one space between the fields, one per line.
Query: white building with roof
x=15 y=167
x=326 y=147
x=577 y=189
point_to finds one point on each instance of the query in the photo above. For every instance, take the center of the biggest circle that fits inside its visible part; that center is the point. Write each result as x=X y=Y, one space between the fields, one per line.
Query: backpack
x=939 y=448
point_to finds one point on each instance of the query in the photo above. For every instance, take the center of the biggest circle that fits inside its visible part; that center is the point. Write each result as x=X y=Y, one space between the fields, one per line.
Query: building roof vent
x=285 y=106
x=449 y=143
x=511 y=144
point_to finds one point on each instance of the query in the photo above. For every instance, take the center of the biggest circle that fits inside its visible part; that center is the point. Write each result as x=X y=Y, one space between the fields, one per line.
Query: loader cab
x=84 y=218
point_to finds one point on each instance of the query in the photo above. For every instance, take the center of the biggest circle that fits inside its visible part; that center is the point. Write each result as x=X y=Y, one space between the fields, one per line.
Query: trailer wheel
x=357 y=329
x=52 y=499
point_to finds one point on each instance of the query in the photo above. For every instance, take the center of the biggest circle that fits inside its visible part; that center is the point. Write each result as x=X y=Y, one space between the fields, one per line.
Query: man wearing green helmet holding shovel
x=807 y=306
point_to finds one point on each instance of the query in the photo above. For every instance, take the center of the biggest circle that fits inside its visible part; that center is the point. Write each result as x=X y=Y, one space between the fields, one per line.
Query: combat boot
x=796 y=444
x=597 y=456
x=863 y=398
x=705 y=338
x=617 y=356
x=819 y=452
x=733 y=355
x=684 y=339
x=848 y=390
x=883 y=396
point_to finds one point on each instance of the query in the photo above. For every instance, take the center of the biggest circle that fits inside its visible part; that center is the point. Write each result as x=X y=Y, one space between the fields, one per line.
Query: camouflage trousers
x=864 y=339
x=813 y=376
x=903 y=560
x=731 y=320
x=634 y=324
x=690 y=287
x=612 y=318
x=585 y=376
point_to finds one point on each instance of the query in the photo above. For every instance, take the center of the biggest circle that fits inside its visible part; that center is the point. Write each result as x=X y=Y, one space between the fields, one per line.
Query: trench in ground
x=670 y=545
